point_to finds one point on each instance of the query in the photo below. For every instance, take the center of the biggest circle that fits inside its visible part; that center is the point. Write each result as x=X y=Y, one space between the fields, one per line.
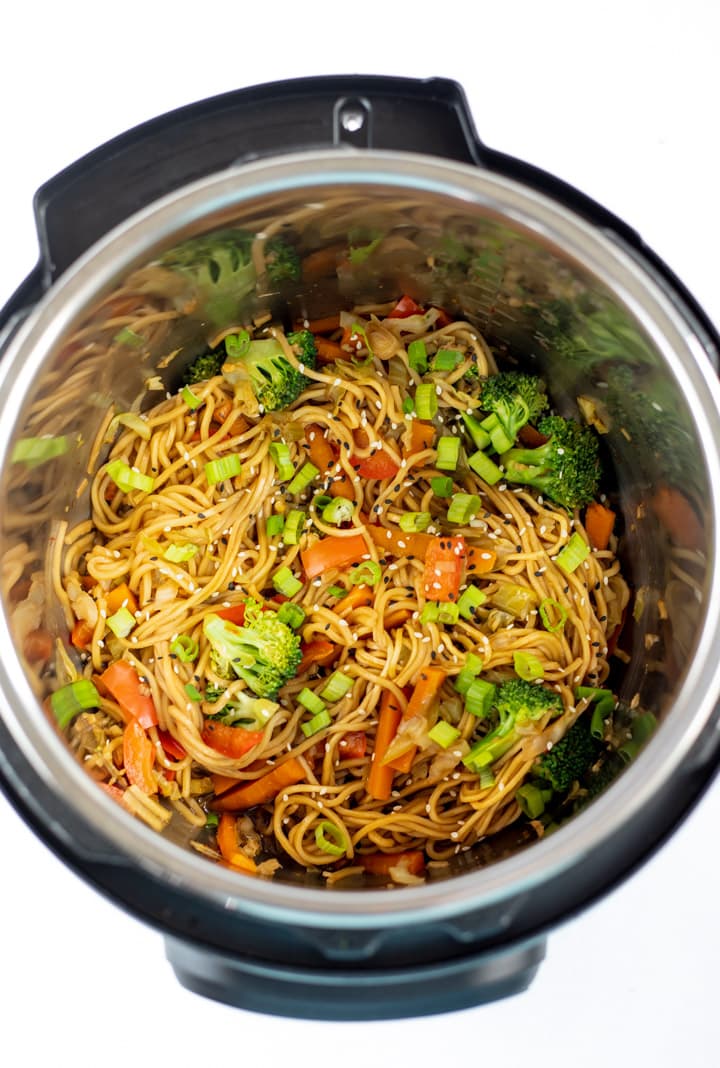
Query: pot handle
x=79 y=205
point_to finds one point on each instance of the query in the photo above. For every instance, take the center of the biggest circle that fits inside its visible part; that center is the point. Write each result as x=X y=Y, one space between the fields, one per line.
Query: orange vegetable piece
x=396 y=542
x=443 y=568
x=478 y=560
x=422 y=703
x=227 y=841
x=230 y=741
x=379 y=783
x=412 y=860
x=353 y=745
x=359 y=597
x=122 y=682
x=330 y=351
x=320 y=651
x=261 y=790
x=81 y=634
x=139 y=757
x=422 y=436
x=324 y=456
x=396 y=618
x=599 y=523
x=333 y=552
x=120 y=596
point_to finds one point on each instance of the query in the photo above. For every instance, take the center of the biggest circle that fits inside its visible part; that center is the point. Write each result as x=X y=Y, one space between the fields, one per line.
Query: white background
x=621 y=100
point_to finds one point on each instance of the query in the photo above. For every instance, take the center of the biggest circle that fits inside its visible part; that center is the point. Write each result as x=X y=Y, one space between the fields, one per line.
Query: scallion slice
x=486 y=778
x=226 y=467
x=485 y=467
x=286 y=583
x=336 y=687
x=291 y=614
x=34 y=451
x=179 y=554
x=408 y=405
x=426 y=402
x=445 y=612
x=330 y=839
x=480 y=436
x=446 y=360
x=274 y=525
x=237 y=345
x=448 y=453
x=310 y=700
x=317 y=723
x=444 y=734
x=336 y=591
x=469 y=600
x=184 y=648
x=573 y=554
x=479 y=698
x=412 y=522
x=193 y=692
x=601 y=712
x=294 y=526
x=530 y=800
x=417 y=357
x=463 y=507
x=126 y=479
x=72 y=699
x=338 y=510
x=442 y=486
x=307 y=473
x=190 y=398
x=128 y=337
x=280 y=455
x=368 y=573
x=471 y=669
x=552 y=614
x=121 y=622
x=528 y=666
x=212 y=819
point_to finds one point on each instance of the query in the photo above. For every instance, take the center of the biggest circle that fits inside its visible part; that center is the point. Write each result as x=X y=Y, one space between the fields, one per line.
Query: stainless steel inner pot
x=551 y=289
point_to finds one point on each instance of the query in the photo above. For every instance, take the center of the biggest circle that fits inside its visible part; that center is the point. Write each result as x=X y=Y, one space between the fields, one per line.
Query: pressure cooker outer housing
x=298 y=949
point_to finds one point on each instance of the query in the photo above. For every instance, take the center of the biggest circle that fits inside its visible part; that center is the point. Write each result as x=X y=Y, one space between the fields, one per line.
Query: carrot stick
x=359 y=597
x=223 y=783
x=422 y=436
x=599 y=523
x=396 y=542
x=261 y=790
x=81 y=634
x=379 y=783
x=139 y=757
x=330 y=351
x=325 y=325
x=479 y=560
x=396 y=618
x=412 y=860
x=421 y=703
x=324 y=457
x=443 y=568
x=319 y=651
x=121 y=596
x=227 y=841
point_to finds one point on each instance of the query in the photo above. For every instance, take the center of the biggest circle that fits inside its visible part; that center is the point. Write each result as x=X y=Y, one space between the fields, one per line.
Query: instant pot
x=557 y=285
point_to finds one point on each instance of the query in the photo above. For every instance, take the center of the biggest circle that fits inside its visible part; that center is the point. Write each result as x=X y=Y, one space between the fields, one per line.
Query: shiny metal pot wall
x=561 y=292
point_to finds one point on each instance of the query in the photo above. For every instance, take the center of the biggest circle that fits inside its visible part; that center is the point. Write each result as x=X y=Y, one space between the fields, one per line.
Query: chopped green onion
x=471 y=669
x=448 y=453
x=336 y=687
x=178 y=554
x=184 y=648
x=128 y=337
x=126 y=479
x=190 y=399
x=303 y=478
x=291 y=614
x=558 y=611
x=485 y=467
x=442 y=486
x=274 y=525
x=280 y=455
x=440 y=612
x=426 y=402
x=133 y=422
x=640 y=730
x=121 y=622
x=528 y=666
x=518 y=601
x=446 y=360
x=285 y=582
x=368 y=573
x=294 y=526
x=463 y=507
x=417 y=357
x=339 y=510
x=212 y=820
x=601 y=711
x=226 y=467
x=337 y=591
x=469 y=600
x=595 y=693
x=480 y=436
x=486 y=779
x=444 y=734
x=408 y=405
x=573 y=554
x=330 y=839
x=411 y=522
x=479 y=698
x=69 y=700
x=530 y=800
x=311 y=701
x=237 y=345
x=34 y=451
x=193 y=692
x=317 y=723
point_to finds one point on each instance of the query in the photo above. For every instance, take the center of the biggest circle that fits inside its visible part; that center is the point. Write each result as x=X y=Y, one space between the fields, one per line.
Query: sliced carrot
x=139 y=757
x=599 y=523
x=422 y=436
x=412 y=860
x=396 y=542
x=121 y=596
x=330 y=351
x=329 y=553
x=443 y=568
x=396 y=618
x=38 y=645
x=359 y=597
x=324 y=457
x=327 y=324
x=378 y=464
x=380 y=779
x=679 y=518
x=422 y=704
x=223 y=783
x=479 y=560
x=228 y=845
x=81 y=634
x=353 y=745
x=261 y=790
x=230 y=741
x=122 y=681
x=238 y=426
x=88 y=582
x=320 y=652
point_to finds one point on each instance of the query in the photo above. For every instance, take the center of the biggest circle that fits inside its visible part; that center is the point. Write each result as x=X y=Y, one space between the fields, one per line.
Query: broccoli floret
x=220 y=268
x=205 y=366
x=282 y=261
x=243 y=711
x=262 y=363
x=517 y=703
x=566 y=468
x=569 y=758
x=514 y=399
x=264 y=652
x=303 y=342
